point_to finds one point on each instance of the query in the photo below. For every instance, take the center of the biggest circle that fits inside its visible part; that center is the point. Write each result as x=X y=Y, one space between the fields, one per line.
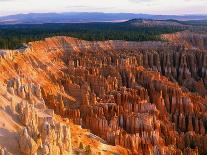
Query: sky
x=173 y=7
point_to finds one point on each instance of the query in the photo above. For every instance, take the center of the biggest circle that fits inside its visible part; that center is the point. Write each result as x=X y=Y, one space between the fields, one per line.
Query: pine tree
x=81 y=145
x=88 y=150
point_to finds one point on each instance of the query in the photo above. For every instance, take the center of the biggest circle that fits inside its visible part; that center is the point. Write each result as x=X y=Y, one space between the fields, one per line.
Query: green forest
x=13 y=36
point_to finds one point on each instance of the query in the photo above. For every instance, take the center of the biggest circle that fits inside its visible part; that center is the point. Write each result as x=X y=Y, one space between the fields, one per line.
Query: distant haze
x=85 y=17
x=8 y=7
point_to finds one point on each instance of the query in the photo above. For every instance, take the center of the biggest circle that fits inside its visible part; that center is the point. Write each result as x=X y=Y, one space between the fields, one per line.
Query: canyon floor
x=63 y=95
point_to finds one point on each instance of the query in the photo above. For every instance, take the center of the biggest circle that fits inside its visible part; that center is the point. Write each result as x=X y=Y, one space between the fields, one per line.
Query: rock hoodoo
x=148 y=97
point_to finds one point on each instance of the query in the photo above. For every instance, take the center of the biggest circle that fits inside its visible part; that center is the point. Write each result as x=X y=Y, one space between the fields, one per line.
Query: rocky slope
x=136 y=97
x=157 y=23
x=189 y=39
x=27 y=126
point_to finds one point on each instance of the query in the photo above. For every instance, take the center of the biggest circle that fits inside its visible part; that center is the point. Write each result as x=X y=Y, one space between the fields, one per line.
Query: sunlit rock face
x=189 y=39
x=134 y=95
x=36 y=129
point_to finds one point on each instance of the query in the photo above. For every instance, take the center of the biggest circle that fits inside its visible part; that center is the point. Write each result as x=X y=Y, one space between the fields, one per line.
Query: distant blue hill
x=84 y=17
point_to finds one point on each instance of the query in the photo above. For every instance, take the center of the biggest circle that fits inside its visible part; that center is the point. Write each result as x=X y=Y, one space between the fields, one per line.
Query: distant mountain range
x=84 y=17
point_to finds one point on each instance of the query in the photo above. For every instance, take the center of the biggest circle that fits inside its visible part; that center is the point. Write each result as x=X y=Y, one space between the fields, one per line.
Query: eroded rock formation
x=135 y=95
x=41 y=134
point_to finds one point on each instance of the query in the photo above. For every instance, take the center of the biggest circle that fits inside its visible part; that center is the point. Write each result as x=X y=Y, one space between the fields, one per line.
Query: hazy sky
x=135 y=6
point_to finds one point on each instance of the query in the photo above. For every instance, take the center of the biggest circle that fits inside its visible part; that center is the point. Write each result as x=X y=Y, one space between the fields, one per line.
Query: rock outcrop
x=135 y=95
x=189 y=39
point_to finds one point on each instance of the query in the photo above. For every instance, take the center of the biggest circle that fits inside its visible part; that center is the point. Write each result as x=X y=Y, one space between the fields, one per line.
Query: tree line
x=14 y=36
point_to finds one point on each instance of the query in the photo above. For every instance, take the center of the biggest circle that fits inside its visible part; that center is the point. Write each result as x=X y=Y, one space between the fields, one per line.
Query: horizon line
x=138 y=13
